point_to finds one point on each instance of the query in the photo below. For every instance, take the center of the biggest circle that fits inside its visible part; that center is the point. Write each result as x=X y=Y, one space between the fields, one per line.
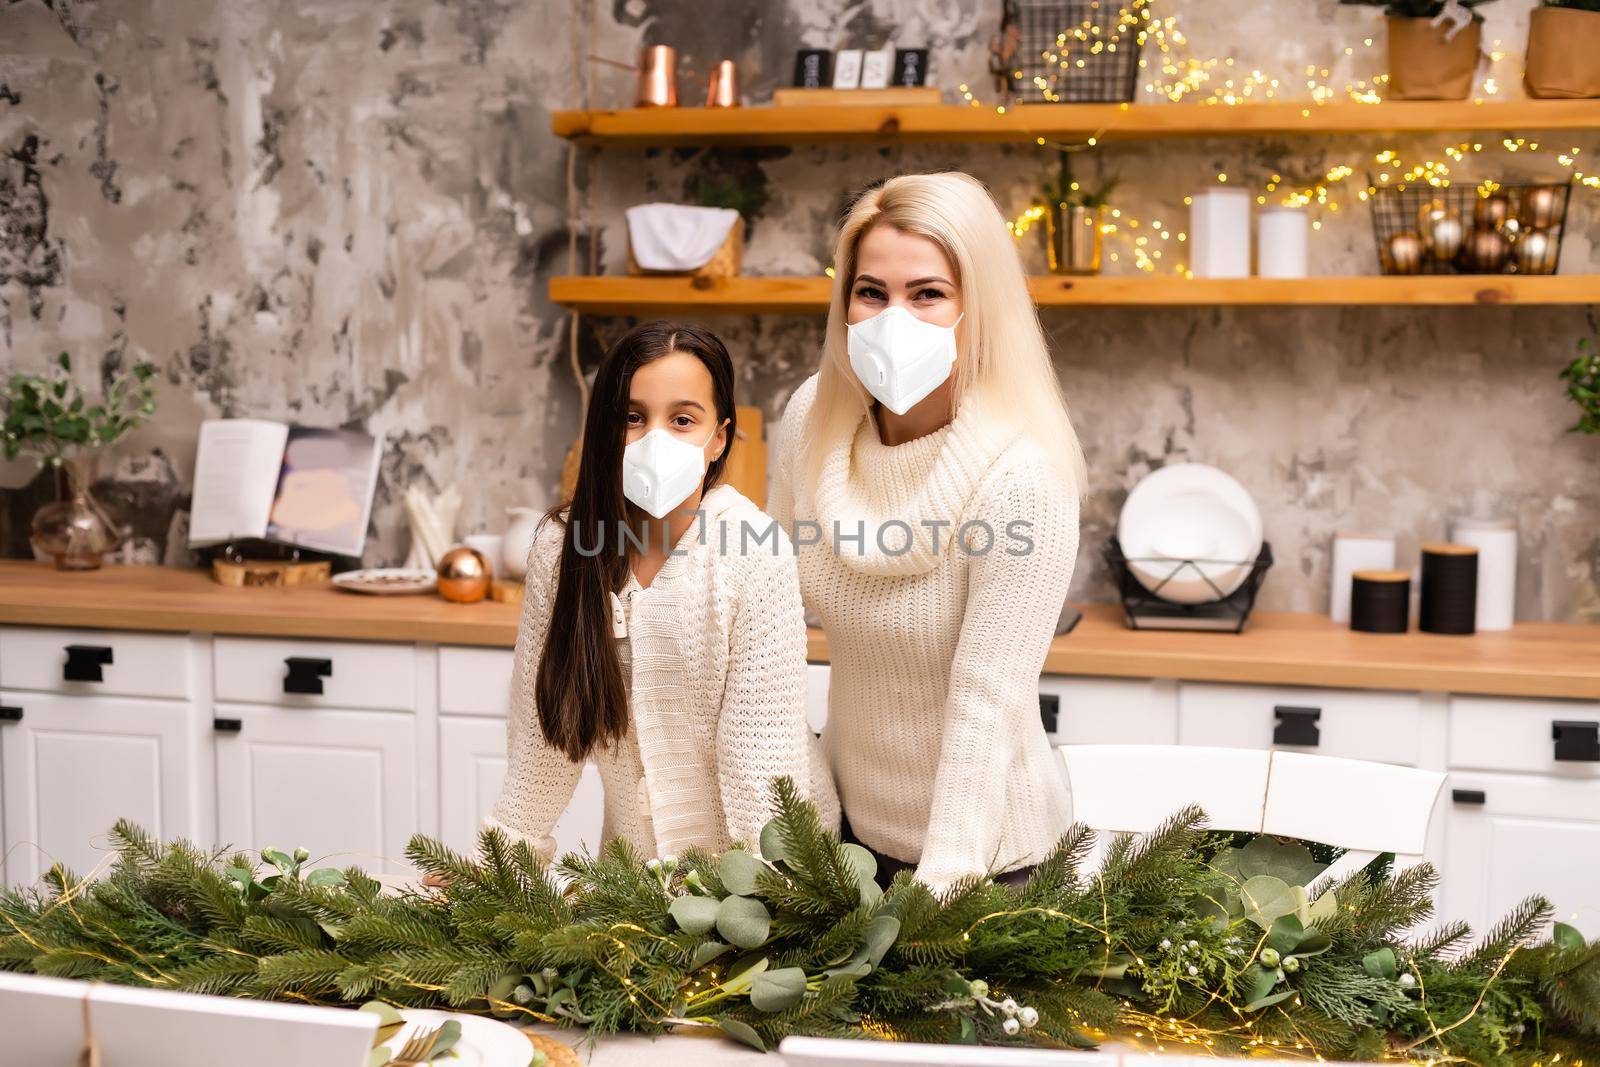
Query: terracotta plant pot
x=1563 y=46
x=1424 y=65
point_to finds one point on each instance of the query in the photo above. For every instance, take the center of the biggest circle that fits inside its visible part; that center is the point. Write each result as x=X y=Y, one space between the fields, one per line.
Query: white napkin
x=677 y=236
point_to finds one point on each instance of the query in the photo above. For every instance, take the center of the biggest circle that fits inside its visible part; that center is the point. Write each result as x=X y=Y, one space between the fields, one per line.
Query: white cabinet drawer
x=475 y=681
x=1352 y=723
x=1111 y=711
x=270 y=671
x=1516 y=734
x=1510 y=836
x=341 y=784
x=105 y=662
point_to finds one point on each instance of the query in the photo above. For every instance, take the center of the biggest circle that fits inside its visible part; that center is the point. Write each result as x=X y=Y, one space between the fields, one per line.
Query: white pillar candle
x=1281 y=242
x=1496 y=540
x=1356 y=552
x=1219 y=231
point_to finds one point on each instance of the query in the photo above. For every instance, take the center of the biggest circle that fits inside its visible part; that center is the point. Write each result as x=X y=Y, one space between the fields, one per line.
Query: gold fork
x=418 y=1048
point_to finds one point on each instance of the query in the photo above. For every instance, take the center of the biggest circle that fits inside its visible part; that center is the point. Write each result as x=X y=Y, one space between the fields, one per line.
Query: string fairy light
x=1175 y=74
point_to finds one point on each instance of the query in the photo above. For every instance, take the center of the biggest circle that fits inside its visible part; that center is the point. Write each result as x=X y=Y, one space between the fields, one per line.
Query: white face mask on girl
x=899 y=357
x=660 y=470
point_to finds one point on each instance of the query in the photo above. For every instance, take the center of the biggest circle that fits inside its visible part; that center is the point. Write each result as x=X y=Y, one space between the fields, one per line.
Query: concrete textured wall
x=345 y=213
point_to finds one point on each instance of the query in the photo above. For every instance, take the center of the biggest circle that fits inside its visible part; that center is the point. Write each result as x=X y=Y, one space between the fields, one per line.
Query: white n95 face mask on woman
x=900 y=358
x=660 y=470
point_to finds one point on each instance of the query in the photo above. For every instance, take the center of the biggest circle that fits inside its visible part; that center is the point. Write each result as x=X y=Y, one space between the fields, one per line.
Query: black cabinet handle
x=306 y=675
x=1296 y=726
x=1050 y=711
x=10 y=714
x=84 y=663
x=1577 y=741
x=1468 y=796
x=227 y=726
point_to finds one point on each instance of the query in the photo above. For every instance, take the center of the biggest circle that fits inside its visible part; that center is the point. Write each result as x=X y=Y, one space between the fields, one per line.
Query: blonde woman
x=930 y=477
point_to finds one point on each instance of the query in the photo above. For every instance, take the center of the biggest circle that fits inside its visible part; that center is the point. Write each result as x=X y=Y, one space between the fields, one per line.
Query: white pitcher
x=519 y=540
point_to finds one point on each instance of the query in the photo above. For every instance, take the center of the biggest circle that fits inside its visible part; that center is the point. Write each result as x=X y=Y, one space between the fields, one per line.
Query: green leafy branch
x=48 y=415
x=1582 y=376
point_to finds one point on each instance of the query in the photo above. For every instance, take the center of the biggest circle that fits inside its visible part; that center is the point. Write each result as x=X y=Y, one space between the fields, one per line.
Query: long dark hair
x=581 y=694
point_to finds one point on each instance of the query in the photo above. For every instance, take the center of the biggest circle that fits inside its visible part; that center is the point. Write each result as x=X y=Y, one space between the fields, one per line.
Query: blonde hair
x=1004 y=364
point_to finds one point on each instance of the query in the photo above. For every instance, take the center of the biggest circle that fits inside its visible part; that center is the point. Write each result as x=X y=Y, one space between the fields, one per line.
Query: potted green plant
x=1582 y=376
x=47 y=416
x=1433 y=47
x=1074 y=219
x=1563 y=43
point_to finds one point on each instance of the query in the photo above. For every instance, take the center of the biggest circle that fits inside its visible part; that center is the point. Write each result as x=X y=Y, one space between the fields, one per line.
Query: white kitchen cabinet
x=1386 y=727
x=1111 y=711
x=340 y=783
x=75 y=765
x=472 y=765
x=1509 y=836
x=316 y=674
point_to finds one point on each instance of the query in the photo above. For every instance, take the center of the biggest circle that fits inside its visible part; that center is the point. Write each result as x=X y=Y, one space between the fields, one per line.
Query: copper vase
x=658 y=77
x=724 y=88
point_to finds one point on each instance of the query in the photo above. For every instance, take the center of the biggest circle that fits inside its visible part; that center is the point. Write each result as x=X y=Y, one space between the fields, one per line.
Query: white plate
x=484 y=1042
x=1190 y=511
x=387 y=581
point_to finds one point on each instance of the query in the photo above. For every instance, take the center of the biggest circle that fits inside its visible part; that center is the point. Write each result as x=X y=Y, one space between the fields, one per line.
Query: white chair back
x=1364 y=808
x=46 y=1021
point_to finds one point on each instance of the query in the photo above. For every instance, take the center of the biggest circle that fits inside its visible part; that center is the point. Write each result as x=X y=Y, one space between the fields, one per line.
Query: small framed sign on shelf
x=847 y=69
x=812 y=67
x=910 y=66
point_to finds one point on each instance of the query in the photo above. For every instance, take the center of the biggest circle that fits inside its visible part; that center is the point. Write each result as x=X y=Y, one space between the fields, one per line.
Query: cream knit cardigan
x=933 y=729
x=716 y=653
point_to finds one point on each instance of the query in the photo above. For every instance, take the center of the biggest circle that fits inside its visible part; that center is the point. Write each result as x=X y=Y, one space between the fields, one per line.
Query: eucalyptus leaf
x=1267 y=899
x=861 y=861
x=281 y=860
x=1262 y=983
x=379 y=1056
x=1268 y=1001
x=499 y=994
x=969 y=1032
x=738 y=871
x=388 y=1014
x=325 y=877
x=1567 y=938
x=878 y=938
x=1314 y=943
x=772 y=849
x=449 y=1034
x=778 y=990
x=1380 y=964
x=1285 y=934
x=694 y=915
x=1324 y=908
x=742 y=1032
x=707 y=951
x=743 y=921
x=743 y=972
x=856 y=968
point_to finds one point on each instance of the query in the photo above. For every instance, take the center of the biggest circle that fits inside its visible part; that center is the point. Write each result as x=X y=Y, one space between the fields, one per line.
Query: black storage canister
x=1380 y=601
x=1449 y=589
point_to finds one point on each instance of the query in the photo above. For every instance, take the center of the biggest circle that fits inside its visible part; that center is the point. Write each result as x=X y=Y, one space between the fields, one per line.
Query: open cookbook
x=293 y=485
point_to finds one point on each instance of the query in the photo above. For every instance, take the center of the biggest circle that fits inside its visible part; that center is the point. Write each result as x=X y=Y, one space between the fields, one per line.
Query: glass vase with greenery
x=49 y=417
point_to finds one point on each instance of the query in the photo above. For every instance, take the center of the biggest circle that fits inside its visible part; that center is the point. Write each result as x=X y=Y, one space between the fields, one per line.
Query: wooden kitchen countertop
x=1535 y=659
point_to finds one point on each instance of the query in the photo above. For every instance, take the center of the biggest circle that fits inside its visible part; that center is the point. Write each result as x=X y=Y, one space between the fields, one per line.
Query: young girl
x=649 y=642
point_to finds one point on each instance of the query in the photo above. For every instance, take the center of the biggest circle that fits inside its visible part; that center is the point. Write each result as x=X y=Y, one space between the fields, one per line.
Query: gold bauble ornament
x=1535 y=253
x=1405 y=253
x=1490 y=211
x=1511 y=228
x=1444 y=236
x=1484 y=252
x=1540 y=206
x=1431 y=212
x=464 y=575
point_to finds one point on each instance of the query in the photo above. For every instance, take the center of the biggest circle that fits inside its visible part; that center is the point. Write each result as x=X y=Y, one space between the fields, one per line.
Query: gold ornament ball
x=1431 y=212
x=464 y=575
x=1540 y=206
x=1444 y=236
x=1485 y=252
x=1511 y=228
x=1490 y=211
x=1405 y=253
x=1535 y=253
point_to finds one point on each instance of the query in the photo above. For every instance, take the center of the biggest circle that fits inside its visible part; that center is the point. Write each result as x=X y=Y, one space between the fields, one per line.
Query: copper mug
x=724 y=88
x=658 y=77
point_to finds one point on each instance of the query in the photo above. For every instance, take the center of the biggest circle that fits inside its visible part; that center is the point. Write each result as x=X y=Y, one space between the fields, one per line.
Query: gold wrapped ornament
x=1405 y=253
x=464 y=575
x=1484 y=252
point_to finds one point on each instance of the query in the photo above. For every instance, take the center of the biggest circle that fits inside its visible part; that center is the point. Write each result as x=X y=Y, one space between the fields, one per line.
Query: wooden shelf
x=624 y=295
x=766 y=125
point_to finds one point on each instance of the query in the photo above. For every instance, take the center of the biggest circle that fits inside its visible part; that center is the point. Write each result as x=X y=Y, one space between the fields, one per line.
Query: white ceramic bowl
x=1190 y=511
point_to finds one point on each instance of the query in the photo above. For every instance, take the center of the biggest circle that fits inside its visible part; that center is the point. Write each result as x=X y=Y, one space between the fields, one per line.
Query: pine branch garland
x=1156 y=946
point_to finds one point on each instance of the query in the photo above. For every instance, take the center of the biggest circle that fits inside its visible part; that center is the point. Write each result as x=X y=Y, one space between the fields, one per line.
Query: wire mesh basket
x=1147 y=609
x=1465 y=229
x=1076 y=51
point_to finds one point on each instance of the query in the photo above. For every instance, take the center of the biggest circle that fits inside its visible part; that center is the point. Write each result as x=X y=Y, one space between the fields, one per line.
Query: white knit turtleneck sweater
x=933 y=730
